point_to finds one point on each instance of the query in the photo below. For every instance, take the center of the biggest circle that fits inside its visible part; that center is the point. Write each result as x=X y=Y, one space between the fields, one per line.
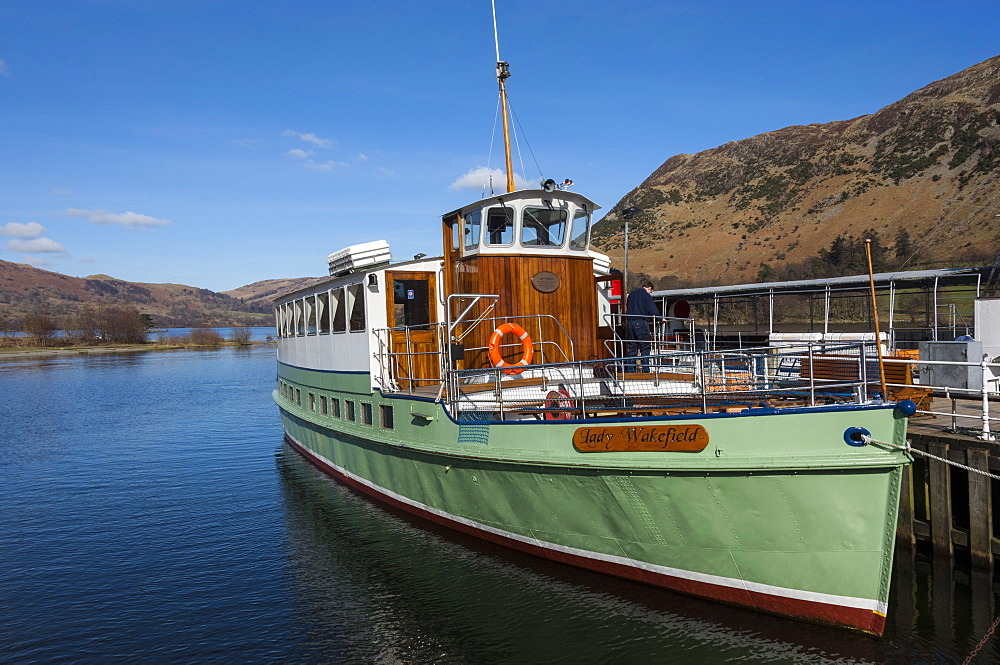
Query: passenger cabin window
x=339 y=311
x=500 y=226
x=366 y=413
x=350 y=410
x=578 y=232
x=473 y=220
x=385 y=416
x=456 y=234
x=300 y=322
x=287 y=321
x=356 y=292
x=543 y=227
x=310 y=306
x=323 y=312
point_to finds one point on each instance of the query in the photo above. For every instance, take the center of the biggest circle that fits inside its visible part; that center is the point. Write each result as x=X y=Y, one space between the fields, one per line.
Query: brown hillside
x=927 y=164
x=266 y=291
x=24 y=288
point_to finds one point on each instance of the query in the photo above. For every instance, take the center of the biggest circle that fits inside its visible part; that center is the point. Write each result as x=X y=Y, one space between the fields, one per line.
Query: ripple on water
x=151 y=512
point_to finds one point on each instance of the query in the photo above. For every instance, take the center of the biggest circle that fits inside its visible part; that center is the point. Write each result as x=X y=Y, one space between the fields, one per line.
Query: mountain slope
x=24 y=288
x=927 y=164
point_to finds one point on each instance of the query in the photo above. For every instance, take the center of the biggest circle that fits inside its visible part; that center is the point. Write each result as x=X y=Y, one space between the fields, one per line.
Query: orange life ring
x=526 y=344
x=558 y=399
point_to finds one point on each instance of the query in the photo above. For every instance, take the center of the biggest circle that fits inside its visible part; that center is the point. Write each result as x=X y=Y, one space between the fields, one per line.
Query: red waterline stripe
x=852 y=617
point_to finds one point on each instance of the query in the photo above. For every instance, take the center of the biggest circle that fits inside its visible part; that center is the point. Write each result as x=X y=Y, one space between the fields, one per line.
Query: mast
x=503 y=73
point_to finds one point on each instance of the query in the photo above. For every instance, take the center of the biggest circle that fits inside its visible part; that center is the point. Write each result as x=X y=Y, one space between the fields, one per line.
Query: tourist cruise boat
x=484 y=389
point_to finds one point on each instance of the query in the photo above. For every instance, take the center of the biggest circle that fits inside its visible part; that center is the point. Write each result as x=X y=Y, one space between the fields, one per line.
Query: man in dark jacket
x=639 y=306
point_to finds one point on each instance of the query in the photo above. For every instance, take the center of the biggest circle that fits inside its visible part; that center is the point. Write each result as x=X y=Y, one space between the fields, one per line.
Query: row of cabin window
x=323 y=313
x=331 y=407
x=540 y=227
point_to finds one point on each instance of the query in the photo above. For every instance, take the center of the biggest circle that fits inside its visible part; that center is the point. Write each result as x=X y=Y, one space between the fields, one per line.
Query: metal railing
x=986 y=395
x=694 y=382
x=662 y=338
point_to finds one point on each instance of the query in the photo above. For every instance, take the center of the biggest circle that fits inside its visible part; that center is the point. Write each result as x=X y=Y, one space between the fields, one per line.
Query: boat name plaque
x=632 y=438
x=545 y=281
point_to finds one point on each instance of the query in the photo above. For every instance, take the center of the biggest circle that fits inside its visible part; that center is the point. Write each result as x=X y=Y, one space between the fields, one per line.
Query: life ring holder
x=558 y=399
x=526 y=344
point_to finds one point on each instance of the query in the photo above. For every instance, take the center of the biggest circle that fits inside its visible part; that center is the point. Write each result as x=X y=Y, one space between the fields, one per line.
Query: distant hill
x=921 y=173
x=269 y=289
x=24 y=288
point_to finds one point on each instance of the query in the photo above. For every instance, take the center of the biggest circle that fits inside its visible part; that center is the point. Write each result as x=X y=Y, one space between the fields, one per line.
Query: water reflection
x=403 y=590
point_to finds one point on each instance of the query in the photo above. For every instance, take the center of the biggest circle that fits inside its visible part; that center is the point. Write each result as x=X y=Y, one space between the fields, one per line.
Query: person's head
x=648 y=285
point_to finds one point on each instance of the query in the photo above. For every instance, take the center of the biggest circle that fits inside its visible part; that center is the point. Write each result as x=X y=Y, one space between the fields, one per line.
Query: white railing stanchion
x=986 y=435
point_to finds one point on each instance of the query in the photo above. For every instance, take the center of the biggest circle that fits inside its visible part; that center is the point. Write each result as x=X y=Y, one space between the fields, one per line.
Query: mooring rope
x=910 y=449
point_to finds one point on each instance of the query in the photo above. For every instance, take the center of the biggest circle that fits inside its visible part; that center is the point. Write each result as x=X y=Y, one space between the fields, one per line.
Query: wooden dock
x=947 y=506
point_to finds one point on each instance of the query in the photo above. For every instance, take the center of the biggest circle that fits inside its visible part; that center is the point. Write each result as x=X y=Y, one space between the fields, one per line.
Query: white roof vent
x=356 y=257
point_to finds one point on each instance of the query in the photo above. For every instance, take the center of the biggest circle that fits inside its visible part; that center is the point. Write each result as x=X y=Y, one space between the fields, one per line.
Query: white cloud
x=61 y=192
x=86 y=259
x=37 y=261
x=129 y=219
x=4 y=69
x=298 y=153
x=324 y=166
x=479 y=177
x=362 y=157
x=309 y=137
x=385 y=171
x=29 y=230
x=36 y=246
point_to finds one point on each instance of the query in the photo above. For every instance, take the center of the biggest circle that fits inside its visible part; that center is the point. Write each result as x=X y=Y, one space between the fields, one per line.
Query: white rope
x=910 y=449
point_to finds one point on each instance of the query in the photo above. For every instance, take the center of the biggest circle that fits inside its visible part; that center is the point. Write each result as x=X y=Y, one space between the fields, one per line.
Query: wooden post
x=940 y=490
x=980 y=509
x=904 y=524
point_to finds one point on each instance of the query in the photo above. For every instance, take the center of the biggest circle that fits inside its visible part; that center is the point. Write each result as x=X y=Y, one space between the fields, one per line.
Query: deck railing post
x=986 y=435
x=863 y=373
x=583 y=403
x=704 y=380
x=812 y=378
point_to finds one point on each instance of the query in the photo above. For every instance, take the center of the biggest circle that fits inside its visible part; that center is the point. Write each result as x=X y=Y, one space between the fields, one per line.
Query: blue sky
x=216 y=142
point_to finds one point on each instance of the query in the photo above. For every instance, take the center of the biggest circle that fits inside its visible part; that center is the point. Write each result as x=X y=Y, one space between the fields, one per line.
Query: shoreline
x=15 y=353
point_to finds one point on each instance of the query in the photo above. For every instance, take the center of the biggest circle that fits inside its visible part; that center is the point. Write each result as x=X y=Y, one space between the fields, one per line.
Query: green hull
x=777 y=513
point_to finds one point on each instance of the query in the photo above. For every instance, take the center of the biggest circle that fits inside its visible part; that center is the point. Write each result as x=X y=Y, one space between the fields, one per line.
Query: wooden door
x=411 y=311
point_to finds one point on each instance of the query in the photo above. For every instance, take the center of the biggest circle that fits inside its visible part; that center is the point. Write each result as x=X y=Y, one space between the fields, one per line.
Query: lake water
x=149 y=512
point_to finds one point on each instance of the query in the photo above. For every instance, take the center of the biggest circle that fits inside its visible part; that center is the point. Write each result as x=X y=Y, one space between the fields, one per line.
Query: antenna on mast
x=503 y=73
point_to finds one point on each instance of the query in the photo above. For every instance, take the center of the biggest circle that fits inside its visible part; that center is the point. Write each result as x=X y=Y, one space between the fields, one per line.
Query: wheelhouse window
x=473 y=221
x=579 y=230
x=323 y=312
x=500 y=226
x=339 y=311
x=543 y=227
x=356 y=293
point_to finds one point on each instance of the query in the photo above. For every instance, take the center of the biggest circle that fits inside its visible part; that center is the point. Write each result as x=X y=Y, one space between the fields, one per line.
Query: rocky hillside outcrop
x=927 y=165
